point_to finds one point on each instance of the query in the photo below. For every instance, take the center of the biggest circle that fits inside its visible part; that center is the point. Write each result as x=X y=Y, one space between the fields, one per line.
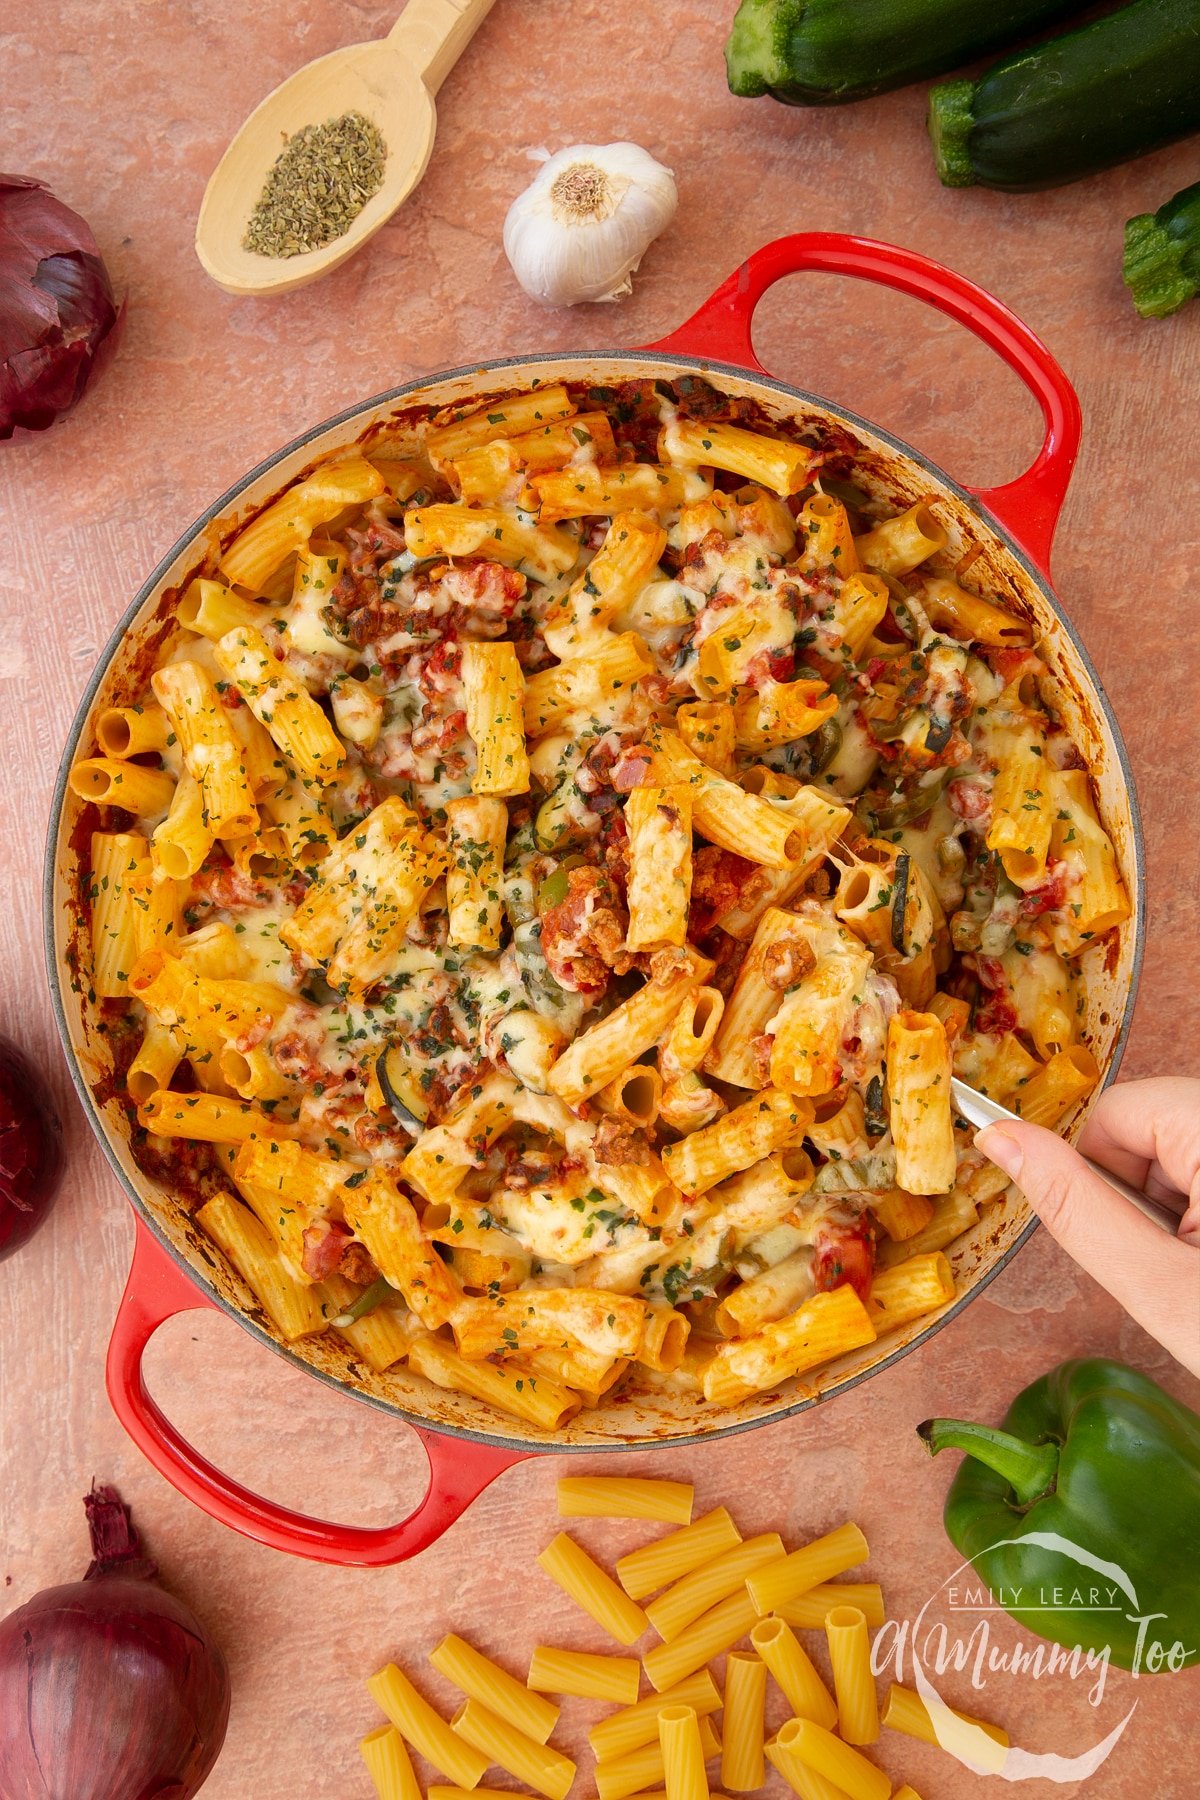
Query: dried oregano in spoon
x=317 y=186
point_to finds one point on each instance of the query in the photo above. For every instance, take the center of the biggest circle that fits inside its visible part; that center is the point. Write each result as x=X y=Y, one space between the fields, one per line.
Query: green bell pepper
x=1097 y=1458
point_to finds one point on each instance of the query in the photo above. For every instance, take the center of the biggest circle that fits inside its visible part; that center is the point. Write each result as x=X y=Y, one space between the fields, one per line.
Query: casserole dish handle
x=1028 y=507
x=158 y=1288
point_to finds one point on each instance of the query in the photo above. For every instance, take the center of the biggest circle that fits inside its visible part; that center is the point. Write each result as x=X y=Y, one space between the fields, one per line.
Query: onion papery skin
x=30 y=1151
x=59 y=317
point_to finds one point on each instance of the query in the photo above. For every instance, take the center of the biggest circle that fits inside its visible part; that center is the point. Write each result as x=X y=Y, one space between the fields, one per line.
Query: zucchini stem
x=1162 y=255
x=951 y=117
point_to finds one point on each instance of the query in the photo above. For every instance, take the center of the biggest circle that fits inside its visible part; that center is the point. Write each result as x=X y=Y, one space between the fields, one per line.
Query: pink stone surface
x=124 y=110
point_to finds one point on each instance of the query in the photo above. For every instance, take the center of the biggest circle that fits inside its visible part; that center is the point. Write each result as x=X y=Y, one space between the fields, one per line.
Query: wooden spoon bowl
x=391 y=81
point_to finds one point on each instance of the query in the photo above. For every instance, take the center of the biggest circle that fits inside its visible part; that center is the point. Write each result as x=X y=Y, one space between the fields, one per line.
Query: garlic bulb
x=583 y=225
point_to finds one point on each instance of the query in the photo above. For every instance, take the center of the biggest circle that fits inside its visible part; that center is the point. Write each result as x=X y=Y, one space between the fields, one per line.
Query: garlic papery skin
x=584 y=223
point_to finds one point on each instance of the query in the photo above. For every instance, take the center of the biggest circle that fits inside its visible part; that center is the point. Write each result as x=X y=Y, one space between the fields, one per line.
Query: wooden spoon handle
x=432 y=35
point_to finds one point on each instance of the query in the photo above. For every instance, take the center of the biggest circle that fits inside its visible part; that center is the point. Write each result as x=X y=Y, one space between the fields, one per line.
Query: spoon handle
x=981 y=1110
x=432 y=35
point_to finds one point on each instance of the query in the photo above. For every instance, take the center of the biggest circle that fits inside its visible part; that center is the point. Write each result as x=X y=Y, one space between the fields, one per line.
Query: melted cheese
x=562 y=1230
x=451 y=1011
x=257 y=933
x=854 y=761
x=1044 y=993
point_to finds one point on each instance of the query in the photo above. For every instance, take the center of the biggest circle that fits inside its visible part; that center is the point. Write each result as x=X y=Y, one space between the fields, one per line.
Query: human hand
x=1148 y=1132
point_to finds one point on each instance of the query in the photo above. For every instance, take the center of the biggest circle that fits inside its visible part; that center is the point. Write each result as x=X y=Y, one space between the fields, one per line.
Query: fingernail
x=1001 y=1148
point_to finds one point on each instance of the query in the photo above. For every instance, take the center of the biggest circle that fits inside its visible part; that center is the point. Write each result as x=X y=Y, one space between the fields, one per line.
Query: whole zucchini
x=1105 y=92
x=1162 y=255
x=814 y=52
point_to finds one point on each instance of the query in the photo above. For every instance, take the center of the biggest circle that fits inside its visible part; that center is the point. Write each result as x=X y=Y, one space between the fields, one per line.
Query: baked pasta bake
x=546 y=883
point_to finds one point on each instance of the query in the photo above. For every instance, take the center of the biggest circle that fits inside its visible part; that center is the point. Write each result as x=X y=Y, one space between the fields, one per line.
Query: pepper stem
x=1029 y=1469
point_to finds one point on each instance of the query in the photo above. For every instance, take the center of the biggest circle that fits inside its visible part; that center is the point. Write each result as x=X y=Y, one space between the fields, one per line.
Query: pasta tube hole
x=91 y=782
x=671 y=1342
x=113 y=732
x=928 y=526
x=823 y=506
x=706 y=1002
x=640 y=1095
x=828 y=1106
x=235 y=1068
x=796 y=1165
x=149 y=967
x=172 y=859
x=142 y=1083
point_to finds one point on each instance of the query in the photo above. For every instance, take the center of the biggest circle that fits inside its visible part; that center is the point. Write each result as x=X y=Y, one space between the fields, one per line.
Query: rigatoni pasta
x=582 y=1580
x=601 y=840
x=829 y=1555
x=919 y=1091
x=108 y=781
x=696 y=1593
x=710 y=1635
x=481 y=1679
x=659 y=823
x=641 y=1770
x=684 y=1775
x=853 y=1682
x=613 y=1678
x=546 y=1404
x=811 y=1608
x=388 y=1764
x=799 y=1776
x=211 y=748
x=290 y=1305
x=659 y=1747
x=425 y=1729
x=477 y=830
x=838 y=1762
x=667 y=1559
x=906 y=1711
x=793 y=1671
x=494 y=694
x=624 y=1497
x=637 y=1724
x=281 y=704
x=742 y=1734
x=548 y=1771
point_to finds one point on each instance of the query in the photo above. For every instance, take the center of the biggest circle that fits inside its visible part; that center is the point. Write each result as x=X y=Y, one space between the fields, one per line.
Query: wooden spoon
x=392 y=82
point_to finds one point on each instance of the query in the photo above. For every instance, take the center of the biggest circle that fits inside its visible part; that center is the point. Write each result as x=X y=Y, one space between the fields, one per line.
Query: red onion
x=30 y=1151
x=59 y=319
x=110 y=1689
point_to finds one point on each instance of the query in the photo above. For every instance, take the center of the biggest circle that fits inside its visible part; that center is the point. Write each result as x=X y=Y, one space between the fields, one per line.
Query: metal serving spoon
x=391 y=81
x=980 y=1111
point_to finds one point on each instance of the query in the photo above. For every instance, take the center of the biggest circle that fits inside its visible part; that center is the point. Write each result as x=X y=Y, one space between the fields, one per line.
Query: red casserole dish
x=1011 y=528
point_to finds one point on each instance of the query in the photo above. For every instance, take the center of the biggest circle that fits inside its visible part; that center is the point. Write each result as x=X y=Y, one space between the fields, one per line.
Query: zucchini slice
x=400 y=1089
